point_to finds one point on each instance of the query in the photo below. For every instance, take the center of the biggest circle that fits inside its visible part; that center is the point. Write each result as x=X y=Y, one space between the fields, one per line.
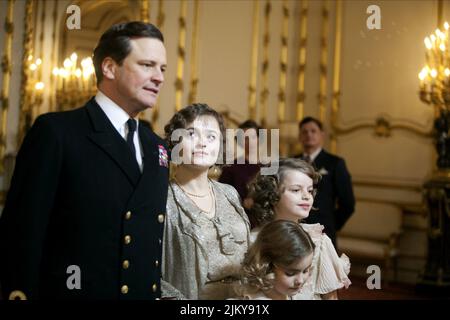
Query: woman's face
x=297 y=196
x=201 y=142
x=290 y=280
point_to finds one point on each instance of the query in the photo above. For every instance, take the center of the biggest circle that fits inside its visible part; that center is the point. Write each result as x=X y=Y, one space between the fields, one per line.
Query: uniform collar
x=113 y=111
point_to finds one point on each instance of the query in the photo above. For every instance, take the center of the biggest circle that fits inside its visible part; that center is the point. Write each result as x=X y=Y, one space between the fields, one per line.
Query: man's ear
x=109 y=67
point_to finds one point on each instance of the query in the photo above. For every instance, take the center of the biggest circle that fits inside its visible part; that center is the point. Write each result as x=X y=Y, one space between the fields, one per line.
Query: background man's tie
x=307 y=158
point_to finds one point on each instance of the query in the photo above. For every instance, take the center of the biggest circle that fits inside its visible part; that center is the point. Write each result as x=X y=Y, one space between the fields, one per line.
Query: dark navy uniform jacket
x=79 y=205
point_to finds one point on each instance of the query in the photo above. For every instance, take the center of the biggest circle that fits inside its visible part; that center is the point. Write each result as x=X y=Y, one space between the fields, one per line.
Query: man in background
x=335 y=201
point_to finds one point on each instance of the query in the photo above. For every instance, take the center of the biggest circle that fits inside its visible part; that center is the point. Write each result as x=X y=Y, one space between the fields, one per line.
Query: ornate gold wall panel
x=254 y=62
x=145 y=11
x=264 y=94
x=322 y=97
x=300 y=99
x=179 y=82
x=28 y=36
x=6 y=69
x=282 y=86
x=193 y=64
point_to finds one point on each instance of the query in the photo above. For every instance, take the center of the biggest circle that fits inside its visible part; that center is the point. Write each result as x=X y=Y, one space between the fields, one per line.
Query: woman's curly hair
x=186 y=116
x=266 y=190
x=279 y=243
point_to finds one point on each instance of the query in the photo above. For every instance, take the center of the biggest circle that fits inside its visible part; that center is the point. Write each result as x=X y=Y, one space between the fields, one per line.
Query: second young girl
x=289 y=195
x=278 y=264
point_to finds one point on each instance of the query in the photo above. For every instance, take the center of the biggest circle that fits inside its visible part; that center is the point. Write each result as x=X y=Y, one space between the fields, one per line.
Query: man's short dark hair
x=310 y=119
x=115 y=42
x=250 y=124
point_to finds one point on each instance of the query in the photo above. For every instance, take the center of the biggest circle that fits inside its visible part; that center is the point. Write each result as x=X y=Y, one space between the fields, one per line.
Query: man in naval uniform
x=84 y=215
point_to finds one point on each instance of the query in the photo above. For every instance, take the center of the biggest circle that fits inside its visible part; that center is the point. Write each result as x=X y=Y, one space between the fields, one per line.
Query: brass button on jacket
x=124 y=289
x=17 y=295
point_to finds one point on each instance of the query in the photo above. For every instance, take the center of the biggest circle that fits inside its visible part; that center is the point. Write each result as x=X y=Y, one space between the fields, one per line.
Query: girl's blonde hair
x=280 y=243
x=266 y=190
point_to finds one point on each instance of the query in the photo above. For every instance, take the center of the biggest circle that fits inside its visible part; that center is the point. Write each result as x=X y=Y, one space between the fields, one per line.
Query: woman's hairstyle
x=186 y=116
x=280 y=243
x=250 y=124
x=266 y=190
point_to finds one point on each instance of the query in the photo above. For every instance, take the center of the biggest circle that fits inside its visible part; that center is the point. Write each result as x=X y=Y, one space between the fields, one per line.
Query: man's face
x=141 y=75
x=311 y=137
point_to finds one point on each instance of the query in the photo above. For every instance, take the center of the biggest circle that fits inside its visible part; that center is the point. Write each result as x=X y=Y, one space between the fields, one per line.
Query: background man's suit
x=78 y=197
x=334 y=200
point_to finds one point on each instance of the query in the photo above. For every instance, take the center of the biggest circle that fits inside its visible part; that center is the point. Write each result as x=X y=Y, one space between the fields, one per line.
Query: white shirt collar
x=314 y=155
x=115 y=114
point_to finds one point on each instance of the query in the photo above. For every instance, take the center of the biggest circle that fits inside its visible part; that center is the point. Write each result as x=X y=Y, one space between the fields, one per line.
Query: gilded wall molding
x=24 y=104
x=179 y=84
x=145 y=11
x=322 y=96
x=35 y=107
x=144 y=15
x=408 y=208
x=6 y=69
x=53 y=59
x=336 y=74
x=194 y=44
x=376 y=183
x=161 y=15
x=300 y=99
x=144 y=6
x=159 y=23
x=283 y=63
x=264 y=94
x=254 y=62
x=383 y=126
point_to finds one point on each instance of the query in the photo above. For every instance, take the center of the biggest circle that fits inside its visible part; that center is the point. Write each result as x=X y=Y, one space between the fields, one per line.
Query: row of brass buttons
x=126 y=263
x=125 y=288
x=160 y=217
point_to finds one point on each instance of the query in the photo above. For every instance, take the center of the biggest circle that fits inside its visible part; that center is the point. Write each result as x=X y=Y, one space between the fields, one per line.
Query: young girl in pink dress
x=289 y=195
x=278 y=264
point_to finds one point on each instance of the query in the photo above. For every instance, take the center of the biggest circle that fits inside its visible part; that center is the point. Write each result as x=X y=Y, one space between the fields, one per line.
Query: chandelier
x=435 y=89
x=75 y=83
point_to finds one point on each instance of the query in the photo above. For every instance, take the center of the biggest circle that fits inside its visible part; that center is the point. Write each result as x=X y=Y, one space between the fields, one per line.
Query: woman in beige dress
x=289 y=195
x=206 y=230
